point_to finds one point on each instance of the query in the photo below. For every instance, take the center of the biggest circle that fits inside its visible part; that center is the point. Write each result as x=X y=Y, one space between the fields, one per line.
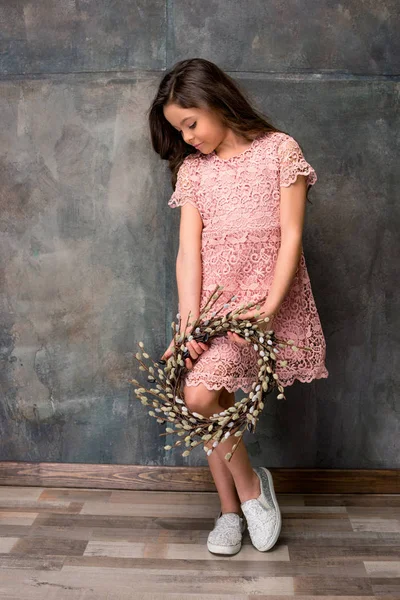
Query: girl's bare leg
x=245 y=480
x=247 y=483
x=222 y=477
x=224 y=482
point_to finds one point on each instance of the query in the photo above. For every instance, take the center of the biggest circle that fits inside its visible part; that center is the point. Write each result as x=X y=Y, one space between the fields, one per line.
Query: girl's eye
x=190 y=126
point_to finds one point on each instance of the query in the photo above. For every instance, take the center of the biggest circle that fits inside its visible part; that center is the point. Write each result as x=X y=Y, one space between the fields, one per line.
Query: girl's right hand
x=169 y=351
x=195 y=349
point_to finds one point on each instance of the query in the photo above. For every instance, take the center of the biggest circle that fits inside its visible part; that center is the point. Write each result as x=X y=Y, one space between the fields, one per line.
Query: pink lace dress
x=238 y=199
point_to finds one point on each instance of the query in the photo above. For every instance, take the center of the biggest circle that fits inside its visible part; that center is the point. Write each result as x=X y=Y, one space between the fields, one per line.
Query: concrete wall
x=88 y=242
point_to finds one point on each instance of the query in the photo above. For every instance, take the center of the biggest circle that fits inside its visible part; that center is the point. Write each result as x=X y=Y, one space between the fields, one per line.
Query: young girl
x=241 y=184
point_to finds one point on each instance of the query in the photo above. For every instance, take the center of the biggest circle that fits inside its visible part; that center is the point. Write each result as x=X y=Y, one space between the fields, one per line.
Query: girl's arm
x=188 y=263
x=292 y=212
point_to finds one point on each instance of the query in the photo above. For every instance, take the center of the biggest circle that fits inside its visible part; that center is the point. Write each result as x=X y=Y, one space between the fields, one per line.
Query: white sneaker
x=226 y=537
x=262 y=514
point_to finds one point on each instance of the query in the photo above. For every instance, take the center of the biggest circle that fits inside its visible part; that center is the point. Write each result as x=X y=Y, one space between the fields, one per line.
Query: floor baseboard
x=192 y=479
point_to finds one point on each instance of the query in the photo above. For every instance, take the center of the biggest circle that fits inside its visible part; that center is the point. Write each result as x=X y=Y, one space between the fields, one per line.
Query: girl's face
x=199 y=127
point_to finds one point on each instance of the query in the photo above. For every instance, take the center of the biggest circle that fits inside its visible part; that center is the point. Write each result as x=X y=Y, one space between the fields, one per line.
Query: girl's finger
x=245 y=316
x=240 y=340
x=234 y=337
x=195 y=345
x=192 y=351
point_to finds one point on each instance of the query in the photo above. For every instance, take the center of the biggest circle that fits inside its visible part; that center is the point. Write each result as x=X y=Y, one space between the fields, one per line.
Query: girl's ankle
x=238 y=511
x=254 y=492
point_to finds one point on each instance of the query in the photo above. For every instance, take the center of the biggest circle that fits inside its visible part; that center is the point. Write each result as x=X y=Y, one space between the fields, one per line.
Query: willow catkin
x=168 y=401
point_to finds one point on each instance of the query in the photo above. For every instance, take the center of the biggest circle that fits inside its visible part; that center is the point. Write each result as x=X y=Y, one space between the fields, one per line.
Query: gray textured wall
x=88 y=243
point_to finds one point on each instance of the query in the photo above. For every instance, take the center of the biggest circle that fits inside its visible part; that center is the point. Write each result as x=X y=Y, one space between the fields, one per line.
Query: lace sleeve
x=292 y=163
x=185 y=187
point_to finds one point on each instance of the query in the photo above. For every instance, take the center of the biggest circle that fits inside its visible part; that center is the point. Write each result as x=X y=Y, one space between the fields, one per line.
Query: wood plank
x=342 y=546
x=144 y=477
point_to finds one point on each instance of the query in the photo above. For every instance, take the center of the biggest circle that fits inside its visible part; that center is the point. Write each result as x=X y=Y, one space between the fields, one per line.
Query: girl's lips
x=198 y=145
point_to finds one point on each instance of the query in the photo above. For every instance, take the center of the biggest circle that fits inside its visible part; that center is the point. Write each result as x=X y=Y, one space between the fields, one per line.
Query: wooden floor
x=70 y=544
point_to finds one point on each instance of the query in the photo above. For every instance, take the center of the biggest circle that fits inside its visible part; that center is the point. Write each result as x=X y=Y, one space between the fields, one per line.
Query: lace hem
x=293 y=163
x=186 y=185
x=246 y=384
x=291 y=177
x=176 y=202
x=306 y=378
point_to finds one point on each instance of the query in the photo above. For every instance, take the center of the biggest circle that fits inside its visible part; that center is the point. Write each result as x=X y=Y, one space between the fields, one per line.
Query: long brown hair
x=199 y=83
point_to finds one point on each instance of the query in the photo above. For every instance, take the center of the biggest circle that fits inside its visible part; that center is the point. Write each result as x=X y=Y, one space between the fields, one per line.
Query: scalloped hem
x=293 y=177
x=247 y=387
x=305 y=378
x=178 y=202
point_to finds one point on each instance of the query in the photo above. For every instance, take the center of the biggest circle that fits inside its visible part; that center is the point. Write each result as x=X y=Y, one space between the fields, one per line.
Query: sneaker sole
x=228 y=550
x=278 y=524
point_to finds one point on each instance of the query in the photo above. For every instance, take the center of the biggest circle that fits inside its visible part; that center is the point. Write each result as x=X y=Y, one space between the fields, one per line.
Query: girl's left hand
x=234 y=337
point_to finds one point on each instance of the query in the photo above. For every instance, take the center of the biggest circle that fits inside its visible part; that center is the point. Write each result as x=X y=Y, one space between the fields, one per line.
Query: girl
x=241 y=184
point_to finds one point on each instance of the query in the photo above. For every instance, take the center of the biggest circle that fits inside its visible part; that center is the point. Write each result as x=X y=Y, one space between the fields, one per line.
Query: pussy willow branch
x=227 y=424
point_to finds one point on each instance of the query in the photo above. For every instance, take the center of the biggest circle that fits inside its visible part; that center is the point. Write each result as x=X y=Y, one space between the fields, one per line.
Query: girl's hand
x=169 y=351
x=195 y=349
x=234 y=337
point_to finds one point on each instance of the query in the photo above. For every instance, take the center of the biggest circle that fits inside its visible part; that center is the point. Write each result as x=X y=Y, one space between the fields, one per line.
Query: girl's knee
x=200 y=399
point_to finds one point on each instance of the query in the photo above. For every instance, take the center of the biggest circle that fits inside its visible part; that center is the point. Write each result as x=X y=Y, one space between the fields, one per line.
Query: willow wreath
x=167 y=395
